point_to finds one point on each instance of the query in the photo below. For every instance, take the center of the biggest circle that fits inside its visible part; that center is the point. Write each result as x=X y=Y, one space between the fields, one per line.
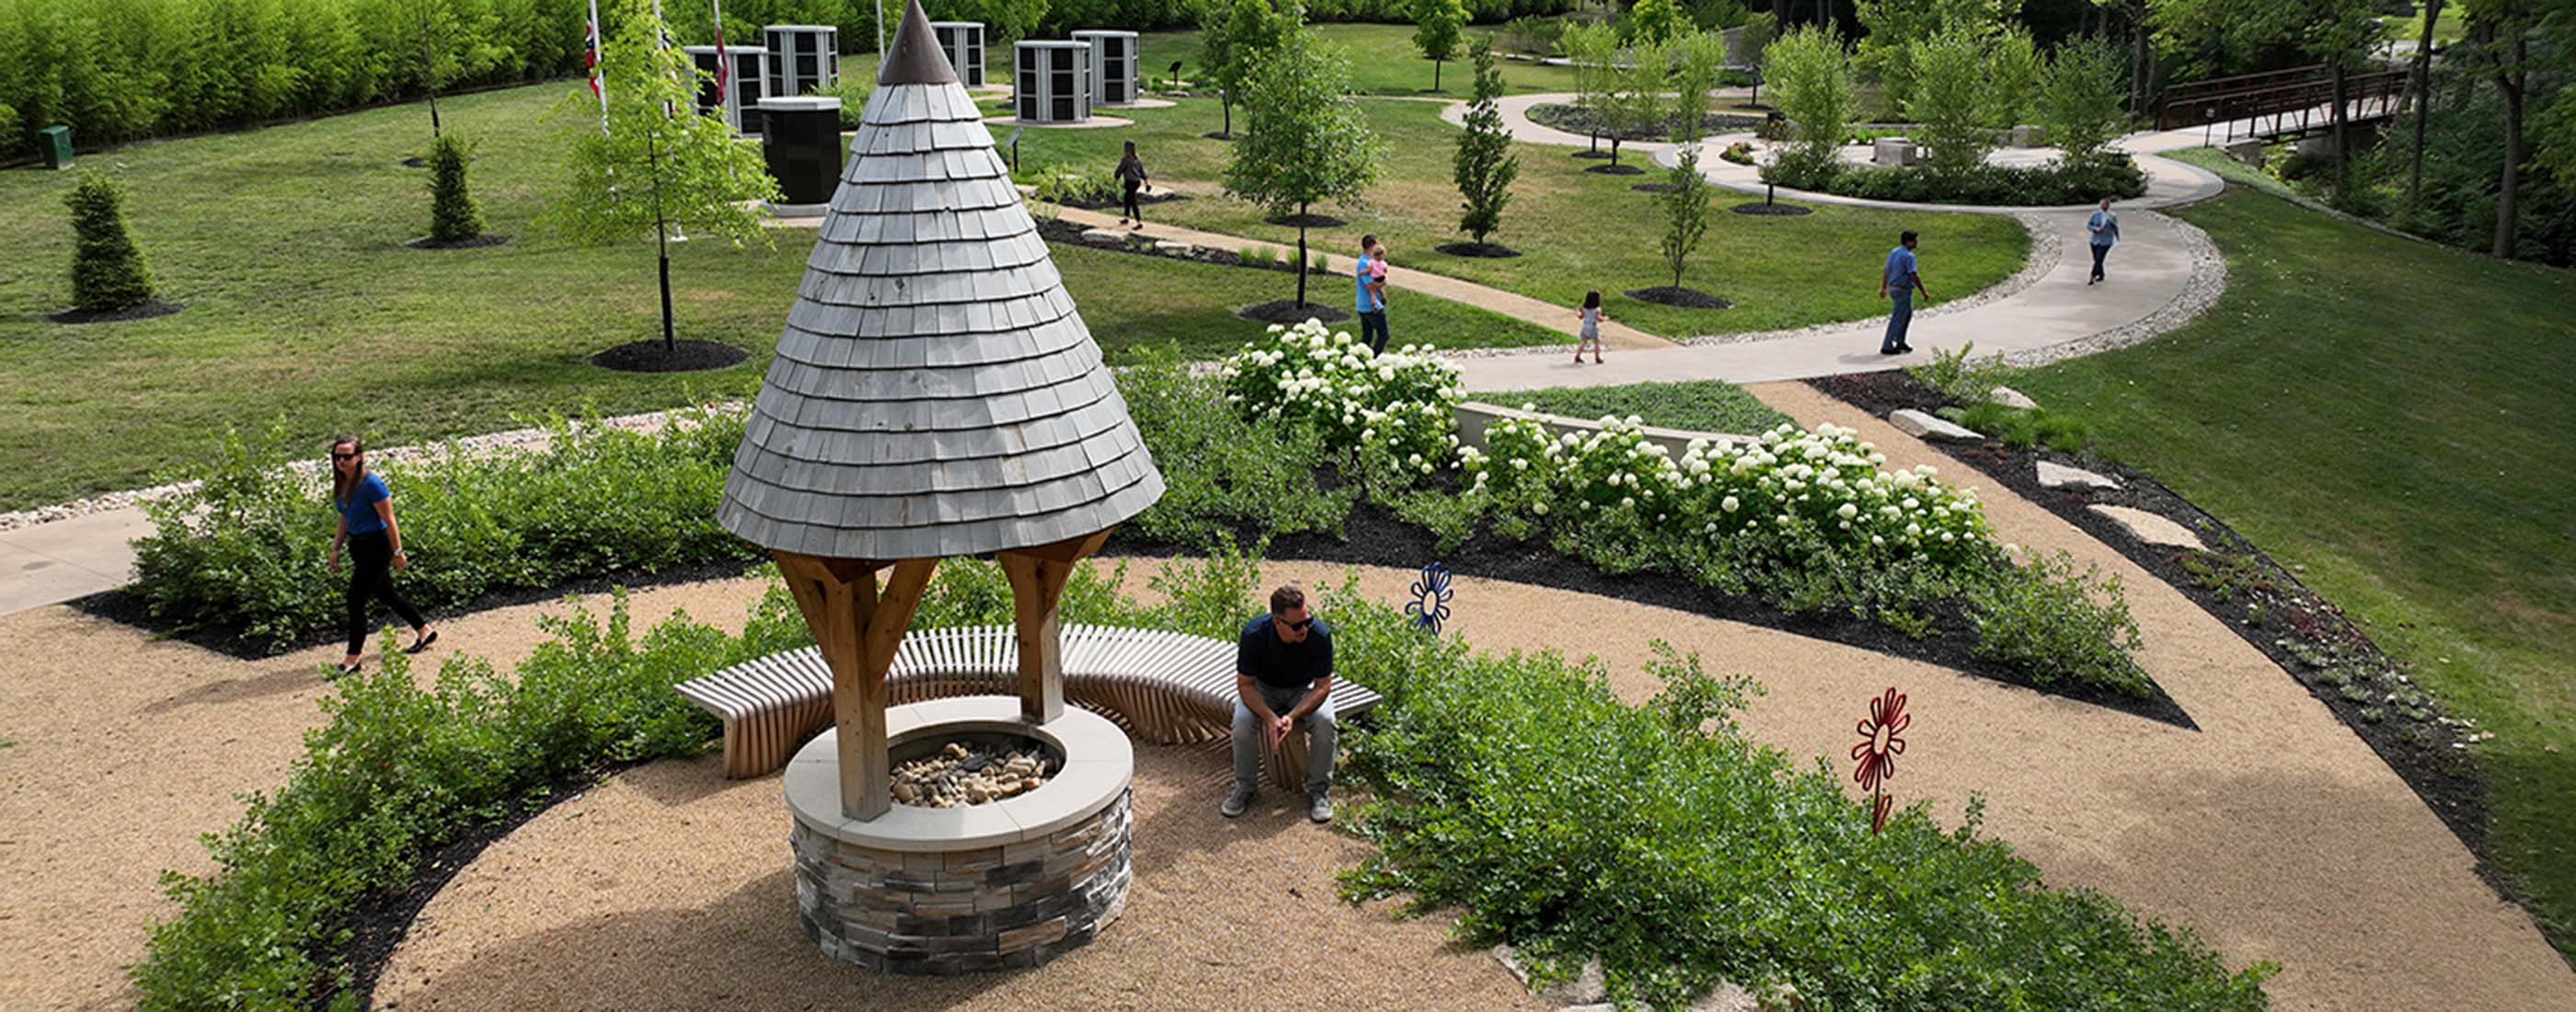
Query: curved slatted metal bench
x=1169 y=688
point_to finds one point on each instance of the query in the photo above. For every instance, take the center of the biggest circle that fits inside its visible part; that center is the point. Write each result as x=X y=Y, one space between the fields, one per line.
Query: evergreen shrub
x=108 y=273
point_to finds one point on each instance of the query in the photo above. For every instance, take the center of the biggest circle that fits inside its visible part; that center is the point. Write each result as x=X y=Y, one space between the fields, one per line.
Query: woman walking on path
x=2105 y=227
x=1589 y=335
x=1131 y=178
x=367 y=527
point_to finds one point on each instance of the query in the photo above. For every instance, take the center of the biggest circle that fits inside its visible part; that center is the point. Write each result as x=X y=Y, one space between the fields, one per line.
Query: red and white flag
x=590 y=62
x=724 y=63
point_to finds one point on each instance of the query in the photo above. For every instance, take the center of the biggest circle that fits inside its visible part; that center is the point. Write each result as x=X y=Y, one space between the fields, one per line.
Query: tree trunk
x=433 y=114
x=662 y=245
x=2141 y=60
x=1435 y=74
x=1301 y=255
x=1614 y=149
x=2508 y=194
x=1228 y=102
x=2423 y=84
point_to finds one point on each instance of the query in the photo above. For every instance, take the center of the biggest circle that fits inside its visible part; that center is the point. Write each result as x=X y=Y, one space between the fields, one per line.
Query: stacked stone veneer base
x=1001 y=885
x=987 y=908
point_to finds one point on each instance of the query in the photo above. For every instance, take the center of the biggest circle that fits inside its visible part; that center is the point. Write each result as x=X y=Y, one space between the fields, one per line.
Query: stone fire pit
x=1004 y=884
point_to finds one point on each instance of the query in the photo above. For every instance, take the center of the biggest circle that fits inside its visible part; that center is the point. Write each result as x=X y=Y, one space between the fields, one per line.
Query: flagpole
x=598 y=86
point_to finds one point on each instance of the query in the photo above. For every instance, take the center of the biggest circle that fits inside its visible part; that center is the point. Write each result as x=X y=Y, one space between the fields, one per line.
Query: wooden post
x=1037 y=578
x=858 y=628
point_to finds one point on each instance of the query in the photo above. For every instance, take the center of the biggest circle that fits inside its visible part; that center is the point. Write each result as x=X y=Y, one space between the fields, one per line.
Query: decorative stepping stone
x=2055 y=475
x=1104 y=236
x=1925 y=425
x=2011 y=398
x=1168 y=246
x=1588 y=987
x=2151 y=528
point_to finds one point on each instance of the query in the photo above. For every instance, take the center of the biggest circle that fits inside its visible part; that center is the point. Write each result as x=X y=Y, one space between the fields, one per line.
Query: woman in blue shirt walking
x=367 y=527
x=2105 y=227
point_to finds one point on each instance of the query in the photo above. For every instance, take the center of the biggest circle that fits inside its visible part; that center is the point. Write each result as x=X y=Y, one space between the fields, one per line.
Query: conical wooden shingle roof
x=935 y=392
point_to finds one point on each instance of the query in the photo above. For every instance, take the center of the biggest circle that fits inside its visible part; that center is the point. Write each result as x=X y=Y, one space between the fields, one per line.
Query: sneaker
x=1236 y=802
x=1319 y=808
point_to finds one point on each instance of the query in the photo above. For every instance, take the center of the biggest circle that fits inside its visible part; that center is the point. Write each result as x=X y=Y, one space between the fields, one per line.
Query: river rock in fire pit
x=960 y=775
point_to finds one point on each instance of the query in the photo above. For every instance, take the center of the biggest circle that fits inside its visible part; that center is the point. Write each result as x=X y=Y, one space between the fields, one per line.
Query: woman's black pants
x=371 y=576
x=1134 y=211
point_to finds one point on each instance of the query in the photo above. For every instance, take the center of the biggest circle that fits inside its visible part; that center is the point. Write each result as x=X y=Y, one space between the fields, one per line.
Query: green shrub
x=1962 y=377
x=1221 y=473
x=1521 y=793
x=452 y=214
x=108 y=273
x=2049 y=621
x=246 y=550
x=2005 y=185
x=2025 y=428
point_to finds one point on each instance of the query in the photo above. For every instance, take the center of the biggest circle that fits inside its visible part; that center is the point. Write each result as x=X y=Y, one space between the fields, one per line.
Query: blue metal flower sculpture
x=1430 y=604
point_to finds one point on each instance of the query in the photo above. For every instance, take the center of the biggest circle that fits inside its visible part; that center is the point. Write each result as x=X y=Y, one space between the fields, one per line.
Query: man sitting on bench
x=1283 y=679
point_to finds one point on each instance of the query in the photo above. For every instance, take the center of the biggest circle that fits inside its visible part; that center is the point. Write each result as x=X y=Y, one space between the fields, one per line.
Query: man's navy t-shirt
x=1284 y=665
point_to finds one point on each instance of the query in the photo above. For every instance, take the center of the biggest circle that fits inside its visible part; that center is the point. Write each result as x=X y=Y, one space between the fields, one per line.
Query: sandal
x=424 y=643
x=339 y=671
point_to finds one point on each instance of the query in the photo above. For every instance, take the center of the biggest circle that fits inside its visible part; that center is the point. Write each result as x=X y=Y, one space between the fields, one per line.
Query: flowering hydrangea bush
x=1791 y=484
x=1395 y=409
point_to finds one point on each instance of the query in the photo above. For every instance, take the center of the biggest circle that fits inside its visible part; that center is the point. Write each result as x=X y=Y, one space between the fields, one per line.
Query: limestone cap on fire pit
x=935 y=394
x=1098 y=765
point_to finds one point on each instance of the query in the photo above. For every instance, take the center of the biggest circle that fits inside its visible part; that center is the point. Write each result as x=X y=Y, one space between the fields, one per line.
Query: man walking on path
x=2105 y=227
x=1283 y=678
x=1898 y=283
x=1371 y=298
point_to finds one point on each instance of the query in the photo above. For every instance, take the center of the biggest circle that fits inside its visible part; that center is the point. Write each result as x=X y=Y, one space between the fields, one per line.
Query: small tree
x=1250 y=31
x=1436 y=25
x=1637 y=102
x=108 y=273
x=659 y=164
x=1715 y=15
x=1591 y=48
x=1306 y=141
x=2080 y=104
x=1654 y=21
x=1750 y=44
x=1972 y=85
x=1685 y=203
x=1485 y=165
x=1699 y=60
x=1895 y=26
x=1811 y=82
x=452 y=214
x=452 y=40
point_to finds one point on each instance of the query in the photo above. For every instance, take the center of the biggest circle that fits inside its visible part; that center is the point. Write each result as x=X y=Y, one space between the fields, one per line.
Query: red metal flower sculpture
x=1880 y=744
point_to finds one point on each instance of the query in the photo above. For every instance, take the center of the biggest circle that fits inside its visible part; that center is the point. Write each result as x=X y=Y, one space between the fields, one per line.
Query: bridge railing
x=2284 y=108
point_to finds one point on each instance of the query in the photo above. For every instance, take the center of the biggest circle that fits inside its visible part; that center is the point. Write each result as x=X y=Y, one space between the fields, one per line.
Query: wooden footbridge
x=2280 y=104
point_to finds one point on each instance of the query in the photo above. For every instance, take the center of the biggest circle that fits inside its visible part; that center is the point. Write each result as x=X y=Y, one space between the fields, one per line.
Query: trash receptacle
x=57 y=144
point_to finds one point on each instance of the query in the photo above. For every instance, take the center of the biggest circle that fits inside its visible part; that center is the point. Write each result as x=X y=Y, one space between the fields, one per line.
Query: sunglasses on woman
x=337 y=455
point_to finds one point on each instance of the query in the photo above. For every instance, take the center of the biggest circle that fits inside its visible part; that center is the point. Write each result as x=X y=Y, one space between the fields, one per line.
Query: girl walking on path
x=367 y=527
x=1589 y=335
x=2105 y=227
x=1131 y=178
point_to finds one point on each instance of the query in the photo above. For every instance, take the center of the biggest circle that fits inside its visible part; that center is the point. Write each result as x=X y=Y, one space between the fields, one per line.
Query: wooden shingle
x=935 y=391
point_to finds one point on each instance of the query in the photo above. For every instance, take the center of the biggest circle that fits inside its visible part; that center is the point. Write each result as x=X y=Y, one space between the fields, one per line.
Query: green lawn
x=2453 y=27
x=1577 y=230
x=1699 y=406
x=302 y=305
x=2395 y=418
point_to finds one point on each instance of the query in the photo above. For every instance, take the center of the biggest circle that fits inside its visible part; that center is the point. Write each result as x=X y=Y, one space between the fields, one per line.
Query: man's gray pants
x=1319 y=727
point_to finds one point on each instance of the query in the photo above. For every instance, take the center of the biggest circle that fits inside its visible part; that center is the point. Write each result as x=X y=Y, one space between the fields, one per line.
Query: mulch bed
x=1481 y=250
x=125 y=608
x=1307 y=221
x=1620 y=169
x=478 y=242
x=146 y=311
x=1058 y=230
x=1118 y=203
x=1686 y=298
x=1575 y=119
x=2229 y=582
x=684 y=356
x=1772 y=210
x=1292 y=312
x=1374 y=536
x=1217 y=135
